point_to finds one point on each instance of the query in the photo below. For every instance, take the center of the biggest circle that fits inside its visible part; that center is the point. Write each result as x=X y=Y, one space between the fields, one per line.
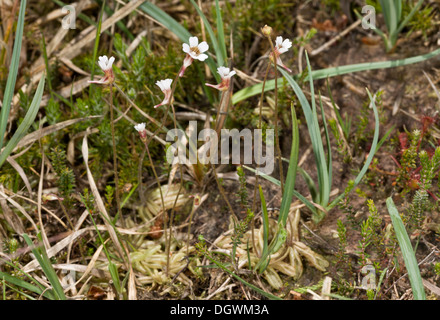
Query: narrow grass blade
x=218 y=51
x=310 y=184
x=221 y=31
x=289 y=189
x=384 y=138
x=289 y=186
x=96 y=47
x=169 y=23
x=12 y=76
x=407 y=251
x=27 y=122
x=329 y=147
x=370 y=157
x=315 y=135
x=409 y=17
x=277 y=182
x=263 y=264
x=25 y=285
x=46 y=265
x=333 y=72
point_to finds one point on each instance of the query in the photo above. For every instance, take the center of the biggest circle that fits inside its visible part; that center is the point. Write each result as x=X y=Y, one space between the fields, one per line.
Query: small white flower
x=105 y=63
x=140 y=127
x=106 y=66
x=226 y=75
x=194 y=51
x=281 y=45
x=165 y=86
x=280 y=48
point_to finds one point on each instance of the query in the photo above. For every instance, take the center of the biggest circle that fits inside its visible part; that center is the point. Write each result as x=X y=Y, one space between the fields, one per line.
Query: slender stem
x=158 y=185
x=115 y=160
x=260 y=121
x=277 y=136
x=222 y=191
x=168 y=246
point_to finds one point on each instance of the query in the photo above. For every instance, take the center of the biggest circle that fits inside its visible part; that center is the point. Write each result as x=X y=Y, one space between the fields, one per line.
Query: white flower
x=281 y=45
x=105 y=63
x=280 y=48
x=226 y=76
x=140 y=127
x=106 y=66
x=194 y=51
x=165 y=86
x=225 y=73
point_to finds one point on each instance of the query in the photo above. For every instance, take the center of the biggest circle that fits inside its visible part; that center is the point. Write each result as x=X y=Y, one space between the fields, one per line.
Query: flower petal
x=203 y=47
x=185 y=48
x=193 y=41
x=110 y=62
x=279 y=41
x=202 y=57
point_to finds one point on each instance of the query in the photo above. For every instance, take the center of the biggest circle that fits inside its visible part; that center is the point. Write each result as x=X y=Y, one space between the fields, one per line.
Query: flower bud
x=266 y=30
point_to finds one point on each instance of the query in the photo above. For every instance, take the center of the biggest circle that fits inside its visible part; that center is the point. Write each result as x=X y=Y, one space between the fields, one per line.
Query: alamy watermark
x=369 y=20
x=69 y=21
x=231 y=143
x=369 y=279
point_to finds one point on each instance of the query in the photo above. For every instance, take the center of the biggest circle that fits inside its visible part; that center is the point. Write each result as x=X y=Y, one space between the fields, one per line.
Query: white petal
x=193 y=42
x=185 y=48
x=140 y=127
x=287 y=44
x=110 y=62
x=279 y=41
x=203 y=47
x=168 y=83
x=193 y=54
x=232 y=73
x=161 y=85
x=104 y=59
x=223 y=71
x=202 y=57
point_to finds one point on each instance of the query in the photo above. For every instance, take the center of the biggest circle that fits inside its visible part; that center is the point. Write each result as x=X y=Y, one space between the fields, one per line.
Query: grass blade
x=12 y=76
x=96 y=47
x=407 y=251
x=218 y=51
x=333 y=72
x=277 y=182
x=315 y=135
x=370 y=157
x=221 y=31
x=41 y=255
x=263 y=264
x=289 y=187
x=169 y=23
x=25 y=285
x=27 y=122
